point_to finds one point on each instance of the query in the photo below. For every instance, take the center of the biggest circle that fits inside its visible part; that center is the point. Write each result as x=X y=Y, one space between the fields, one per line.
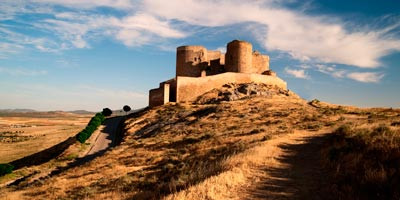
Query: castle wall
x=260 y=63
x=189 y=88
x=239 y=57
x=159 y=96
x=213 y=55
x=190 y=60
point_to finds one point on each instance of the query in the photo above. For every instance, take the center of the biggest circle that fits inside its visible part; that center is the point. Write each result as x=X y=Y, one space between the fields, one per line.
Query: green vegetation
x=93 y=124
x=126 y=108
x=366 y=161
x=5 y=169
x=107 y=112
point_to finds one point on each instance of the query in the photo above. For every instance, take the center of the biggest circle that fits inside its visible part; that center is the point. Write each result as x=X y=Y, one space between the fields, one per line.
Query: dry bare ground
x=237 y=142
x=23 y=134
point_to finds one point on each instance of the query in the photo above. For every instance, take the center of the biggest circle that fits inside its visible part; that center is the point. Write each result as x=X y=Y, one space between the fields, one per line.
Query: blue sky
x=82 y=54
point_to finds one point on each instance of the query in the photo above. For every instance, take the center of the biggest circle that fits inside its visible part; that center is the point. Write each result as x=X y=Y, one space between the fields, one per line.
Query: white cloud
x=324 y=39
x=304 y=66
x=331 y=70
x=366 y=77
x=304 y=37
x=298 y=73
x=87 y=4
x=14 y=42
x=22 y=71
x=221 y=49
x=141 y=29
x=7 y=48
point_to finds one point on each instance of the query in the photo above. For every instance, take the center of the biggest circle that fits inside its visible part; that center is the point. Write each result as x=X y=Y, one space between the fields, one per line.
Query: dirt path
x=107 y=136
x=284 y=167
x=294 y=173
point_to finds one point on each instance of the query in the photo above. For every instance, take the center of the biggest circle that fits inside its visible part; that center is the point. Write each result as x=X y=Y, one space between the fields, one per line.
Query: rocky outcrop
x=233 y=91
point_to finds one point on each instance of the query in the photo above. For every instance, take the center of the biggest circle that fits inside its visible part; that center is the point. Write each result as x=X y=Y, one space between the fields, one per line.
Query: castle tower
x=189 y=60
x=239 y=57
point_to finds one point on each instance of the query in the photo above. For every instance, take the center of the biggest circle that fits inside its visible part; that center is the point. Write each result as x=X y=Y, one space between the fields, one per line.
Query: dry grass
x=366 y=161
x=203 y=151
x=24 y=135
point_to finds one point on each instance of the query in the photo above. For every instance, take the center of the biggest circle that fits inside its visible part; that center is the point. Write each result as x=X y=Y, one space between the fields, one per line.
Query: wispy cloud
x=141 y=29
x=22 y=71
x=323 y=39
x=366 y=77
x=304 y=37
x=298 y=73
x=221 y=49
x=331 y=70
x=14 y=42
x=88 y=4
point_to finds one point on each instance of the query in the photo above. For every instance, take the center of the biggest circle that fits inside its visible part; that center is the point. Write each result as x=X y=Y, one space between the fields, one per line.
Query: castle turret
x=189 y=60
x=238 y=57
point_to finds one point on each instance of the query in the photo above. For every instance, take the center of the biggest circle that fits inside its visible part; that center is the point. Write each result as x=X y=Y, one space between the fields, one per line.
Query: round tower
x=189 y=60
x=238 y=57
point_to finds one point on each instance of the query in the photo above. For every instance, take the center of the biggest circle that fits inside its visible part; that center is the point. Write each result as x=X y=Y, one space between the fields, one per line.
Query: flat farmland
x=22 y=134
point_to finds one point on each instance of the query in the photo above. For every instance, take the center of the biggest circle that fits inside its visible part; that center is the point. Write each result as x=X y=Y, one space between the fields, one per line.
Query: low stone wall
x=159 y=96
x=189 y=88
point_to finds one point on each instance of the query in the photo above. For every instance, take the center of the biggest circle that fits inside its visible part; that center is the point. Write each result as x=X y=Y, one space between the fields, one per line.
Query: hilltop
x=239 y=141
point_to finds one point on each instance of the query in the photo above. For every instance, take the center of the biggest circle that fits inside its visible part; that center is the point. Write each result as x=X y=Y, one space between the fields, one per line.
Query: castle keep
x=199 y=70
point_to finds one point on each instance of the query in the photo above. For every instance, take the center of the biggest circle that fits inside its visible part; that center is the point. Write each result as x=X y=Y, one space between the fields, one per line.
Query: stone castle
x=199 y=70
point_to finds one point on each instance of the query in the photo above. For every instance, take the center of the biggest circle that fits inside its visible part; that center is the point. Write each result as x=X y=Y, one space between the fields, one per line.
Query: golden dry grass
x=24 y=135
x=240 y=149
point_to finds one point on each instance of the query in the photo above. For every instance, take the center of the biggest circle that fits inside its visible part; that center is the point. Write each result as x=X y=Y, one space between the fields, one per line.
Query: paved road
x=106 y=138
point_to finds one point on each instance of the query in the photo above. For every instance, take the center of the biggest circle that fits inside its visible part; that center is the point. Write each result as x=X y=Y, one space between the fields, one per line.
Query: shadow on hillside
x=111 y=128
x=301 y=176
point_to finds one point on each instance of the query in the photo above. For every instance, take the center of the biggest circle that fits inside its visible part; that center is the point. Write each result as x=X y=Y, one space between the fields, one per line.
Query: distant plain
x=22 y=134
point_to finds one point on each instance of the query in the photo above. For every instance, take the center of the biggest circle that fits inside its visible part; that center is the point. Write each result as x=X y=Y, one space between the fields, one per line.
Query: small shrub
x=395 y=123
x=255 y=131
x=343 y=130
x=5 y=169
x=266 y=137
x=341 y=118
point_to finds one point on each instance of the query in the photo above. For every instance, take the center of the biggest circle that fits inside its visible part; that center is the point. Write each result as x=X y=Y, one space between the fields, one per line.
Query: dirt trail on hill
x=107 y=136
x=294 y=171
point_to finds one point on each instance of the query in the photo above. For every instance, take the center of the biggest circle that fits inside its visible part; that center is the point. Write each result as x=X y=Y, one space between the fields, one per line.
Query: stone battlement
x=199 y=70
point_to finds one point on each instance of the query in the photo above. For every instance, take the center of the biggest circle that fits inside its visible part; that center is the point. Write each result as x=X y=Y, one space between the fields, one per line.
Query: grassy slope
x=210 y=151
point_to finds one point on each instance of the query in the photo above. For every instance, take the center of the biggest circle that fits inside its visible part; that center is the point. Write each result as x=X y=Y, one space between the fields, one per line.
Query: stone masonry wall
x=189 y=88
x=239 y=57
x=159 y=96
x=189 y=60
x=260 y=63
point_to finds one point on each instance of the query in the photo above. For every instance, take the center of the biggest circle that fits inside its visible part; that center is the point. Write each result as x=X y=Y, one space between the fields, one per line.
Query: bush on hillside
x=126 y=108
x=93 y=124
x=5 y=169
x=107 y=112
